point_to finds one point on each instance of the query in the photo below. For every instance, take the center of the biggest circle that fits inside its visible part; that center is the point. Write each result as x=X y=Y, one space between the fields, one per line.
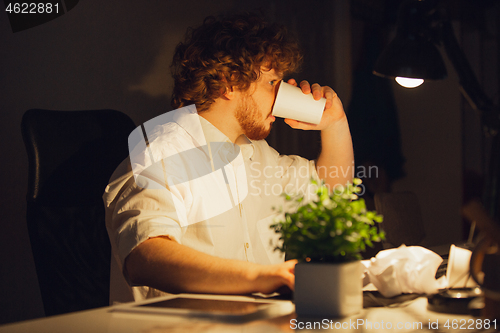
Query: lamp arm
x=489 y=112
x=470 y=87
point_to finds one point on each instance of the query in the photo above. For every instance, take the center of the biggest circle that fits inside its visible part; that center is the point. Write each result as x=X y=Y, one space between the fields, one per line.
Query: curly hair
x=229 y=52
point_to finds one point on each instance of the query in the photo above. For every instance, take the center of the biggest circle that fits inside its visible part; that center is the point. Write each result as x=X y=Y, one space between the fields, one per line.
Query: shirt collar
x=204 y=132
x=213 y=134
x=246 y=146
x=187 y=117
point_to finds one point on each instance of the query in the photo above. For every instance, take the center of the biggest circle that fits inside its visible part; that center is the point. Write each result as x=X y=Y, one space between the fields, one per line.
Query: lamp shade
x=410 y=58
x=412 y=54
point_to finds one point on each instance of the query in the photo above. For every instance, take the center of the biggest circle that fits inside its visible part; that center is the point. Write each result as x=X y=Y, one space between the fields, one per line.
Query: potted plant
x=327 y=236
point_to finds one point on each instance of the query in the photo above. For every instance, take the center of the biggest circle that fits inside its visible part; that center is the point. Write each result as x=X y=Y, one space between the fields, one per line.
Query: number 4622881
x=32 y=8
x=470 y=324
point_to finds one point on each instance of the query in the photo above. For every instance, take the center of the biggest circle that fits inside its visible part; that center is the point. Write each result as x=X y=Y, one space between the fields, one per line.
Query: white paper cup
x=292 y=103
x=457 y=271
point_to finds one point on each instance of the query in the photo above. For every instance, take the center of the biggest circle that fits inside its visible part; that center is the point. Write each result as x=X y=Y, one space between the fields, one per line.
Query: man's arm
x=166 y=265
x=335 y=164
x=336 y=157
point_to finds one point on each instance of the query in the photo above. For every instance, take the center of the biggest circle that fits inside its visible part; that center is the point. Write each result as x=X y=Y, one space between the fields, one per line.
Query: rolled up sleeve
x=135 y=214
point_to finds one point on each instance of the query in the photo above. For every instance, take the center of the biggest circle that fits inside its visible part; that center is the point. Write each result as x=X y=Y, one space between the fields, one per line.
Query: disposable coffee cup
x=292 y=103
x=457 y=271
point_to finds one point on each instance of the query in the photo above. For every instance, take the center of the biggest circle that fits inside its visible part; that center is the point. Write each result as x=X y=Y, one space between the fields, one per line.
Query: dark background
x=115 y=54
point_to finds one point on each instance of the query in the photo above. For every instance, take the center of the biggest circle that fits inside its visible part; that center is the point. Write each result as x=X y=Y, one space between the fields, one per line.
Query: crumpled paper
x=406 y=269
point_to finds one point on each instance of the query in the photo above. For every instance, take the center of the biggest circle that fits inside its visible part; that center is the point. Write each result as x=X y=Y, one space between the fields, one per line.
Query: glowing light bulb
x=409 y=82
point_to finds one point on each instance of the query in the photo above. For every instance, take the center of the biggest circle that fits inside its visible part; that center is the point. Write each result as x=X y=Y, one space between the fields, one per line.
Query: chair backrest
x=402 y=217
x=72 y=155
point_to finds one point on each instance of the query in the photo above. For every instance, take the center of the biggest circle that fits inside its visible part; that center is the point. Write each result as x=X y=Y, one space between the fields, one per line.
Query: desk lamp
x=412 y=57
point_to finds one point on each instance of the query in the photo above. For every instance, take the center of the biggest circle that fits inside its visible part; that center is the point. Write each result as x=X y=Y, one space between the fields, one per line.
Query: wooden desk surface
x=409 y=316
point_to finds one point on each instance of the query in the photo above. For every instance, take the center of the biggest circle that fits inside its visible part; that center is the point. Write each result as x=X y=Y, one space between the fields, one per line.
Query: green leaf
x=334 y=227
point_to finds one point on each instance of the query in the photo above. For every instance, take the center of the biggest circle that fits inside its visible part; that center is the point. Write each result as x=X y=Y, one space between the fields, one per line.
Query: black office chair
x=72 y=155
x=402 y=218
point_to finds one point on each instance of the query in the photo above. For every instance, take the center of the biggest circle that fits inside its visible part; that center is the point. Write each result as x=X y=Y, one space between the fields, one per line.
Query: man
x=229 y=69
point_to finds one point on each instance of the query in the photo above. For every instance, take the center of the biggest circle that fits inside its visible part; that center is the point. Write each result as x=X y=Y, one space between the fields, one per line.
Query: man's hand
x=334 y=111
x=272 y=277
x=335 y=164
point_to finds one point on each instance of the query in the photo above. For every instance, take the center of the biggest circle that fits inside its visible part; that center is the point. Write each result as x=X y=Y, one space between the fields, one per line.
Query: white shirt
x=135 y=213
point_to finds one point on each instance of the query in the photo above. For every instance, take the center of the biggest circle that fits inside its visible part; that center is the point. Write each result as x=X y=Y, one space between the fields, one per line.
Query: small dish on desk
x=456 y=301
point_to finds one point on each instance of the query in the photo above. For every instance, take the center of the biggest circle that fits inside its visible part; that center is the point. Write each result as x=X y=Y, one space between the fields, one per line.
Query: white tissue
x=409 y=269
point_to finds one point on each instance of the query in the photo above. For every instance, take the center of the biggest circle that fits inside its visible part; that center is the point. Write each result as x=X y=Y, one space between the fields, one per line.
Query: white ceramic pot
x=328 y=290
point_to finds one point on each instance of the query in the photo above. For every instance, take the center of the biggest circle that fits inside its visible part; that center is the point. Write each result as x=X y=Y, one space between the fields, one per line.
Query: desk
x=413 y=314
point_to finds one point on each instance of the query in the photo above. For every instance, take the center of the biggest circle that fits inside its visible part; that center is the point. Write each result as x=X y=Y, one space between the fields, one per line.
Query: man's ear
x=229 y=93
